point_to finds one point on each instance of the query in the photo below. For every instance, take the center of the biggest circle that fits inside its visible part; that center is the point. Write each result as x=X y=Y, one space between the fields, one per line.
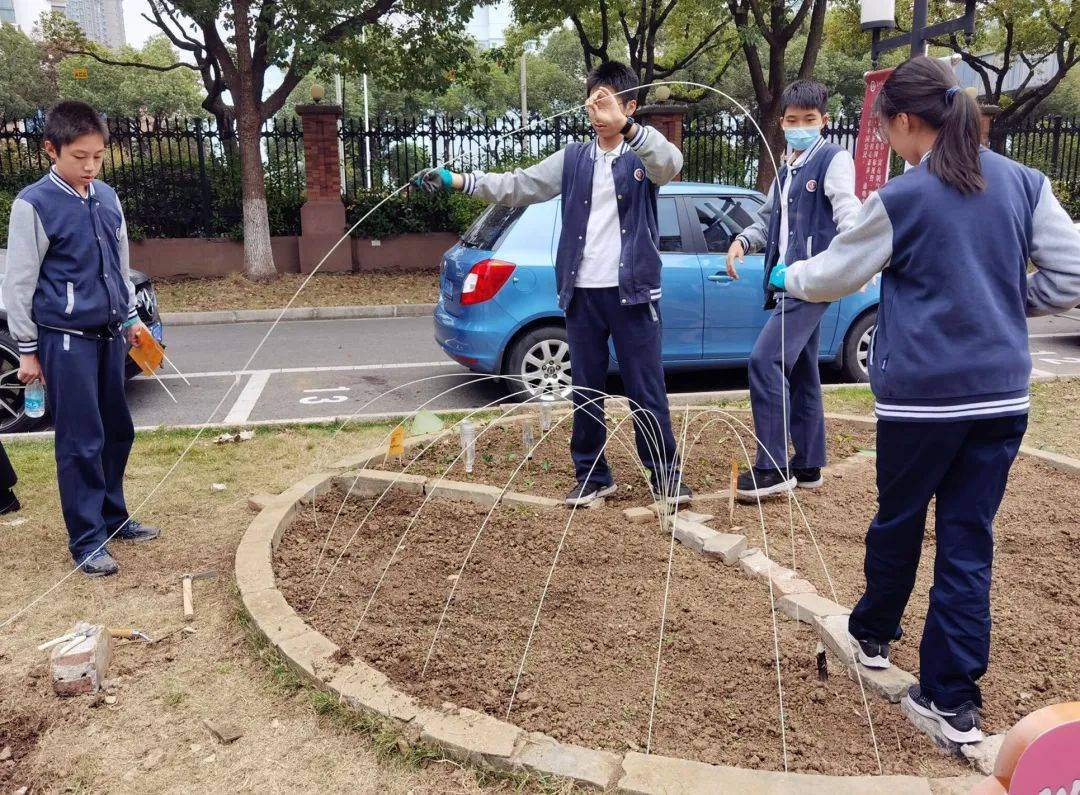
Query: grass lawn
x=152 y=738
x=331 y=289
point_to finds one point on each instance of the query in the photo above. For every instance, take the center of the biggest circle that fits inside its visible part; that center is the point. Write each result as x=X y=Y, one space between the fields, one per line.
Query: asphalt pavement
x=333 y=368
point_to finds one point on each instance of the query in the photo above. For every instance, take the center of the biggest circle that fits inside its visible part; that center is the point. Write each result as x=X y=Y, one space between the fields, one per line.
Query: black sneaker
x=757 y=483
x=137 y=533
x=9 y=503
x=99 y=564
x=871 y=653
x=961 y=725
x=807 y=477
x=588 y=492
x=679 y=494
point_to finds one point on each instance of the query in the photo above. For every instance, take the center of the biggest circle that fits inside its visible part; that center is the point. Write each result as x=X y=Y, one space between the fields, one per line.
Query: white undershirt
x=603 y=245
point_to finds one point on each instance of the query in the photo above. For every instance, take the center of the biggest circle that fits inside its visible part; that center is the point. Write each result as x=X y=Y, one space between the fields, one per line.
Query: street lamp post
x=880 y=15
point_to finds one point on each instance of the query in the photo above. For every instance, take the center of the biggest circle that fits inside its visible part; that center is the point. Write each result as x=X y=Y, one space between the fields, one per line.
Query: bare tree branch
x=135 y=64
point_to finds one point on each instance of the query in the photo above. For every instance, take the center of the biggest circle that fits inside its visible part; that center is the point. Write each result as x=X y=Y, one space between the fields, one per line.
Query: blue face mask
x=802 y=138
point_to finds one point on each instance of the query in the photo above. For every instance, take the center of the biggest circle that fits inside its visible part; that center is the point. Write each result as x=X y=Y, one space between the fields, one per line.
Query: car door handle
x=721 y=277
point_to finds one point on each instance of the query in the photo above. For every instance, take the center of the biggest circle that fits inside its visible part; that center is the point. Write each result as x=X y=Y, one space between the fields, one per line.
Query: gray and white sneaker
x=961 y=725
x=99 y=564
x=588 y=492
x=136 y=532
x=871 y=653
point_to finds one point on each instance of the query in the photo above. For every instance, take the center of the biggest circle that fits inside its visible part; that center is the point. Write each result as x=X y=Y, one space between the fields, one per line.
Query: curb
x=485 y=741
x=295 y=313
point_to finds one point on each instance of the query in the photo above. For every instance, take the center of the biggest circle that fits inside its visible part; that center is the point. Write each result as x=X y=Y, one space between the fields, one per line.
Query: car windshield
x=492 y=224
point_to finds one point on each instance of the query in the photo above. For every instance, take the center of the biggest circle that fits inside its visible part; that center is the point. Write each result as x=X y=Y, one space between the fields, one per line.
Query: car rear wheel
x=856 y=366
x=12 y=417
x=539 y=364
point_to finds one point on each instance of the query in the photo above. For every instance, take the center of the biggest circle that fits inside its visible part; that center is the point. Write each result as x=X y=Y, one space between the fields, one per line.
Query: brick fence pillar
x=986 y=120
x=667 y=117
x=322 y=218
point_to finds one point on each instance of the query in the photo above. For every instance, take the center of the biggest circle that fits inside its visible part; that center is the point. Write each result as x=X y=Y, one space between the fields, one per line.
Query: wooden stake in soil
x=397 y=444
x=731 y=492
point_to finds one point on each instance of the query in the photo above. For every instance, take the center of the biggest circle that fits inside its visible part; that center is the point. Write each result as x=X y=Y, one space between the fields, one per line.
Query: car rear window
x=489 y=228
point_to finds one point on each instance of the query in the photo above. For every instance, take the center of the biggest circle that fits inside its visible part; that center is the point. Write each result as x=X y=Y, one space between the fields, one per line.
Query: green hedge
x=415 y=212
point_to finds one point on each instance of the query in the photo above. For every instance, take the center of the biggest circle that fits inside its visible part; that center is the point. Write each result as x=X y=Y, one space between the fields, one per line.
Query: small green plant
x=173 y=696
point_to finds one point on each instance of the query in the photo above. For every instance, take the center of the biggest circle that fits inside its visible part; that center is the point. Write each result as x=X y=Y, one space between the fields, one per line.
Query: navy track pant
x=594 y=315
x=84 y=383
x=965 y=465
x=799 y=388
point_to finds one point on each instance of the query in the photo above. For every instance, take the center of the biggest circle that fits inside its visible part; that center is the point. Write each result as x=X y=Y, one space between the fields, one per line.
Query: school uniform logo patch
x=811 y=185
x=639 y=174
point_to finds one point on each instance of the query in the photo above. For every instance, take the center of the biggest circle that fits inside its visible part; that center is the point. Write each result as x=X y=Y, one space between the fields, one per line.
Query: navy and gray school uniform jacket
x=648 y=162
x=67 y=262
x=821 y=202
x=951 y=341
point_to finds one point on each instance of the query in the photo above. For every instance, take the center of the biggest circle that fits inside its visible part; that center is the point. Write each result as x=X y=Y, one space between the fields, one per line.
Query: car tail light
x=484 y=280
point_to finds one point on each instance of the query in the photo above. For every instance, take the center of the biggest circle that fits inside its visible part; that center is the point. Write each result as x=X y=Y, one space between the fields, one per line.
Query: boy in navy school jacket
x=811 y=200
x=70 y=304
x=949 y=367
x=607 y=273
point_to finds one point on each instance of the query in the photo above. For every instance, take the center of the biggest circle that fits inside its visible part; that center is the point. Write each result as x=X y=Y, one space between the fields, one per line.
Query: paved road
x=332 y=368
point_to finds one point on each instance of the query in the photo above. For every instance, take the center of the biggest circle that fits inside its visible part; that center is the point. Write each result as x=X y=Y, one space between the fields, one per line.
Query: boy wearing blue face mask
x=812 y=200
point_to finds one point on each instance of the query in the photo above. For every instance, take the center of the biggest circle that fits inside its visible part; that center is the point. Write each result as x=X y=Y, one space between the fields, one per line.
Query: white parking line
x=327 y=369
x=249 y=396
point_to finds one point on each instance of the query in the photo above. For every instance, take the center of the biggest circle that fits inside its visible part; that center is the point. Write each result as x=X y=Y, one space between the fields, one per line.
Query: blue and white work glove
x=777 y=277
x=434 y=180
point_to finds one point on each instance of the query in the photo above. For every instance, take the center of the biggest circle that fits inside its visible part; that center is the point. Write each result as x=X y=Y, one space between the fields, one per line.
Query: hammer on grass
x=186 y=580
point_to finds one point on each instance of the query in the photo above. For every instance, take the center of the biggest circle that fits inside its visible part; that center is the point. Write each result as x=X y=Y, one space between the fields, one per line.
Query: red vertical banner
x=871 y=153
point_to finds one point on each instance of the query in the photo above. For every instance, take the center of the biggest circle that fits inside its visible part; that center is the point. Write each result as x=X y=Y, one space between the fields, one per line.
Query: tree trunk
x=258 y=256
x=770 y=149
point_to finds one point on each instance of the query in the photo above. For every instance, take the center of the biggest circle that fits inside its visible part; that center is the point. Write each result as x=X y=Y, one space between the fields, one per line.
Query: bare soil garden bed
x=589 y=674
x=710 y=447
x=1035 y=593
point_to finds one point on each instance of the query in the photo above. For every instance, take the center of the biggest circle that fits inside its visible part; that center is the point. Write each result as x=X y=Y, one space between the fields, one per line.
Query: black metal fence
x=181 y=177
x=722 y=148
x=1050 y=144
x=394 y=149
x=177 y=177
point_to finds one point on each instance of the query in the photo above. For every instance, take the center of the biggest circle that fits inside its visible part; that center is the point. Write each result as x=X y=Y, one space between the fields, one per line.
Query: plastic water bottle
x=528 y=441
x=545 y=414
x=34 y=400
x=468 y=443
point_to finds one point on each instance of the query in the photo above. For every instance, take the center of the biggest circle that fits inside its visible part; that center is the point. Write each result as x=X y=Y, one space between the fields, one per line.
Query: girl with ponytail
x=949 y=366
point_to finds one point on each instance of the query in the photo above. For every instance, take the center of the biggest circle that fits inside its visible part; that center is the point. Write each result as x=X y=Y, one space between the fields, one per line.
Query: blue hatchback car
x=498 y=312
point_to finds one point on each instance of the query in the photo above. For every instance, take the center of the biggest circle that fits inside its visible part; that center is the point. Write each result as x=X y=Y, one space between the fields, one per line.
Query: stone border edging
x=296 y=313
x=481 y=739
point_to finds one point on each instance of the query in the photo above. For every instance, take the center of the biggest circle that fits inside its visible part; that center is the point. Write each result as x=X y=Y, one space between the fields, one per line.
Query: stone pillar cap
x=319 y=109
x=663 y=108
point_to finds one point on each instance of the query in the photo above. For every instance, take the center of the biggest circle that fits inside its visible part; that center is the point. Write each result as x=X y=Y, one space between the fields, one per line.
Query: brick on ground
x=659 y=775
x=806 y=607
x=726 y=546
x=892 y=683
x=543 y=754
x=470 y=735
x=639 y=515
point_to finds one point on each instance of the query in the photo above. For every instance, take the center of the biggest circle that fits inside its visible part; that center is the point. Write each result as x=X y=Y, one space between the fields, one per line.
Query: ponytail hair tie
x=950 y=94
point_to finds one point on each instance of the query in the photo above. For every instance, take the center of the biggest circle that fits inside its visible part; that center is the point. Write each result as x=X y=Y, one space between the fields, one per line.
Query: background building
x=101 y=20
x=23 y=13
x=488 y=24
